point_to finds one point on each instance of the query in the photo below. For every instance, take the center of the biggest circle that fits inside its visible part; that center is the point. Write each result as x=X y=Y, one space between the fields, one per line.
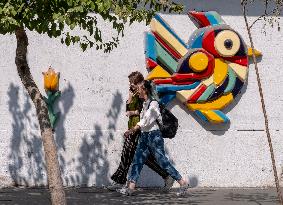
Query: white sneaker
x=114 y=186
x=169 y=181
x=183 y=190
x=125 y=191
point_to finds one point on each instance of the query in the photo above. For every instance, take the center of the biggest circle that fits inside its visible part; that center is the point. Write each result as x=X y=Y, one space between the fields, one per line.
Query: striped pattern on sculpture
x=206 y=73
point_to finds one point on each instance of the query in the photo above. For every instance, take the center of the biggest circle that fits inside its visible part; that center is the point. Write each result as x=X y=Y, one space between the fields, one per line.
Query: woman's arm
x=131 y=113
x=130 y=97
x=131 y=131
x=151 y=115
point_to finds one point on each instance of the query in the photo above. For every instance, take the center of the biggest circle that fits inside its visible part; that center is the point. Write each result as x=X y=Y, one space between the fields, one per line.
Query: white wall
x=92 y=105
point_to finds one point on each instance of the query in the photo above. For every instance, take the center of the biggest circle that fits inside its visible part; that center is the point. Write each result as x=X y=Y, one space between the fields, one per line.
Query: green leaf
x=72 y=25
x=68 y=21
x=61 y=26
x=83 y=46
x=20 y=8
x=67 y=40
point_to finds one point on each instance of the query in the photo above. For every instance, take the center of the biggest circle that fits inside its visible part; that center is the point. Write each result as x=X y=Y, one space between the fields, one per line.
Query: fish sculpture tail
x=210 y=111
x=213 y=116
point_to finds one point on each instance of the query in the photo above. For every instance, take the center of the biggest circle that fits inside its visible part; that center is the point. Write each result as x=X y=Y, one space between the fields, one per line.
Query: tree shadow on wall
x=26 y=156
x=66 y=102
x=92 y=160
x=27 y=163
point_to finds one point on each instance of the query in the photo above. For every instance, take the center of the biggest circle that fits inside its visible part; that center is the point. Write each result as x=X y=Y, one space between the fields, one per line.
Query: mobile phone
x=132 y=89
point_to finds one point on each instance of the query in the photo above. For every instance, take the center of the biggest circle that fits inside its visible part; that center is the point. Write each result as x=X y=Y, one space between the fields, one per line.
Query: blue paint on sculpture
x=205 y=74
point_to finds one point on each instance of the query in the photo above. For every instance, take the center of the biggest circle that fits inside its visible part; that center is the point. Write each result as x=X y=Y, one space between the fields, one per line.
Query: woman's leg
x=128 y=152
x=152 y=164
x=156 y=145
x=141 y=155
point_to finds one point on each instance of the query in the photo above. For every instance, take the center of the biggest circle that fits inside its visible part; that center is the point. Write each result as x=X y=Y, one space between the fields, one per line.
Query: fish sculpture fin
x=204 y=19
x=158 y=73
x=212 y=116
x=163 y=48
x=166 y=35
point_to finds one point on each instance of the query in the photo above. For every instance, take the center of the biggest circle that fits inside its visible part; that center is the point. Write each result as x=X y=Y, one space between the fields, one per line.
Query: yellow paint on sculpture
x=212 y=116
x=220 y=71
x=158 y=72
x=168 y=37
x=51 y=80
x=250 y=52
x=217 y=104
x=198 y=61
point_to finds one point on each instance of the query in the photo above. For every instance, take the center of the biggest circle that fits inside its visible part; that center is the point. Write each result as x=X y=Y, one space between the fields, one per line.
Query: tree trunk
x=53 y=171
x=243 y=3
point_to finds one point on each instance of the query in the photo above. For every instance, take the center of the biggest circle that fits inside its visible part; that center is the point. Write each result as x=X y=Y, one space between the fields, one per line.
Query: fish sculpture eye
x=227 y=43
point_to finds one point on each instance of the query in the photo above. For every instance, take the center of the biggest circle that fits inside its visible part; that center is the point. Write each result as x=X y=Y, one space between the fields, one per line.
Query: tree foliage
x=58 y=18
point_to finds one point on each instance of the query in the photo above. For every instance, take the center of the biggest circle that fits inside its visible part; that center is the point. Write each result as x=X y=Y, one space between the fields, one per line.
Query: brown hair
x=147 y=87
x=136 y=77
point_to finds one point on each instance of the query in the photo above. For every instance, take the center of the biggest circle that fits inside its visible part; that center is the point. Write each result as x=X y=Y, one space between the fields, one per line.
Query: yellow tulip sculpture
x=51 y=86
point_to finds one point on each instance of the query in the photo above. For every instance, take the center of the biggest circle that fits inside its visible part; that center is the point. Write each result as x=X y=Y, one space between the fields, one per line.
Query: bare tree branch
x=266 y=14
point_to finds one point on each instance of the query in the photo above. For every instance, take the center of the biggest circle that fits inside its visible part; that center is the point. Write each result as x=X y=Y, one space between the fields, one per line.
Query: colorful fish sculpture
x=206 y=73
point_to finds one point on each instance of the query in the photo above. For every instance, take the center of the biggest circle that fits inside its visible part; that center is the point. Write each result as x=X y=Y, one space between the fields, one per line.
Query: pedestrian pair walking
x=144 y=143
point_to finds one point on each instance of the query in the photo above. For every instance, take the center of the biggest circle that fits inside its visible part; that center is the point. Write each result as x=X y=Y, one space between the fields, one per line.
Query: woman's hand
x=131 y=131
x=128 y=133
x=131 y=94
x=131 y=113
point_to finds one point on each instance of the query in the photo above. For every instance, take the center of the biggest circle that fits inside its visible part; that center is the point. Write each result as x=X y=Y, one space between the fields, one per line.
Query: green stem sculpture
x=50 y=100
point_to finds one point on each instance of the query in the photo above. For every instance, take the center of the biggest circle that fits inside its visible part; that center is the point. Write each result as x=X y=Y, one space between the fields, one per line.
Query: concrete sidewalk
x=85 y=196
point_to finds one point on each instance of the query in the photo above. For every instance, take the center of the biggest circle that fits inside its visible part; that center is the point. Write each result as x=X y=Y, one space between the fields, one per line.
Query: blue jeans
x=151 y=142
